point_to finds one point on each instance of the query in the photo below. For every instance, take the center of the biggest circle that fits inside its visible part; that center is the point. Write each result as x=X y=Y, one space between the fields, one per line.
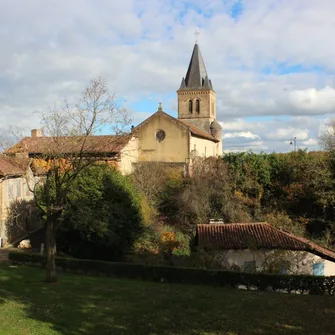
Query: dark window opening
x=197 y=106
x=190 y=106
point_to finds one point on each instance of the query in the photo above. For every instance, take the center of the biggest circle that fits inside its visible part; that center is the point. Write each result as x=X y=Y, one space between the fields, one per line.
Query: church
x=160 y=138
x=196 y=132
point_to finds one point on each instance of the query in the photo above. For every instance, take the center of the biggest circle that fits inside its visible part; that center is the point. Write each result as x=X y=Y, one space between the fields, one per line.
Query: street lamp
x=294 y=142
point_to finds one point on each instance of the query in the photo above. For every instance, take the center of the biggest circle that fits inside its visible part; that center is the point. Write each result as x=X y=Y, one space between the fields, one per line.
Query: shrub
x=170 y=274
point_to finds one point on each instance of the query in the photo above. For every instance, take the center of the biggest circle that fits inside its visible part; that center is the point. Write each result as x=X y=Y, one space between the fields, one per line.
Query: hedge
x=171 y=274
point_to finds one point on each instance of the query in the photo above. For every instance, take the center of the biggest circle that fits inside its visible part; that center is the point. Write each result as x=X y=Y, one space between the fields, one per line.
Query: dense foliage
x=300 y=184
x=103 y=216
x=294 y=191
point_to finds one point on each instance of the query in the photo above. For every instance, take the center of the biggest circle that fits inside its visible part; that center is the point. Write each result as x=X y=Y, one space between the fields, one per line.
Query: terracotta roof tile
x=257 y=235
x=70 y=144
x=12 y=166
x=196 y=131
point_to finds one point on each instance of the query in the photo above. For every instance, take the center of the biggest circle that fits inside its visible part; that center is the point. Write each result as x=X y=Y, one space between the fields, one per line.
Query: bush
x=170 y=274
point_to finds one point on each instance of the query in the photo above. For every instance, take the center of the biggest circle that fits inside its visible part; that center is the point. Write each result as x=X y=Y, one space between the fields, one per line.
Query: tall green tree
x=103 y=217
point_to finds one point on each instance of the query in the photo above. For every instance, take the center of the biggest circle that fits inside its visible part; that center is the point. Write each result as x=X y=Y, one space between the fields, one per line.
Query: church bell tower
x=196 y=97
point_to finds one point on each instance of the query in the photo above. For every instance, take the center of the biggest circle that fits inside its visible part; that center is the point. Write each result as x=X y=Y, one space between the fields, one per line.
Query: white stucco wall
x=301 y=262
x=129 y=156
x=204 y=148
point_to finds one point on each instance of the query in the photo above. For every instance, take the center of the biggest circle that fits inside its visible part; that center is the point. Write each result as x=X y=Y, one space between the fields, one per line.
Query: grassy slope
x=95 y=305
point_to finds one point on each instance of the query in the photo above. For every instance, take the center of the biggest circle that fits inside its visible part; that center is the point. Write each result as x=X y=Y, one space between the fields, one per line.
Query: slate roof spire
x=196 y=76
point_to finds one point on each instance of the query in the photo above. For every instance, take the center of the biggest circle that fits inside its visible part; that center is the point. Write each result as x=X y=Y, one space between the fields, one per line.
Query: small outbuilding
x=253 y=247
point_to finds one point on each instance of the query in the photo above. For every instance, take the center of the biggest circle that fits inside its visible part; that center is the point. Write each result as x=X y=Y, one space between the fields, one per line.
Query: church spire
x=196 y=76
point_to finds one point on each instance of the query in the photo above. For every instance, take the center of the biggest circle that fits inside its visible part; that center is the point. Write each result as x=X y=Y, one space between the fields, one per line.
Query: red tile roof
x=12 y=166
x=70 y=144
x=256 y=235
x=196 y=131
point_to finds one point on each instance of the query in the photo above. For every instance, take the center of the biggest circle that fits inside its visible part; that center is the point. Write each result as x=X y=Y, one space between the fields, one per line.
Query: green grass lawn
x=98 y=305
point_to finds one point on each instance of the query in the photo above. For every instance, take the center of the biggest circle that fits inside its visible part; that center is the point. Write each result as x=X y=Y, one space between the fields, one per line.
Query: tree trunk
x=50 y=243
x=50 y=250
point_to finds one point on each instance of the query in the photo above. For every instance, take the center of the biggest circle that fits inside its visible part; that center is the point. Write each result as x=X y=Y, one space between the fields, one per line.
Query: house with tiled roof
x=261 y=247
x=15 y=198
x=117 y=150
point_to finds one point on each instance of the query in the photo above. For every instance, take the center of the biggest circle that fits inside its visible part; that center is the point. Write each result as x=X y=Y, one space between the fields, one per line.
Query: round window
x=160 y=135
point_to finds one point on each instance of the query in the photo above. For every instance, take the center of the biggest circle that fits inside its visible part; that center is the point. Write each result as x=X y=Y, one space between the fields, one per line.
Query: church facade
x=196 y=132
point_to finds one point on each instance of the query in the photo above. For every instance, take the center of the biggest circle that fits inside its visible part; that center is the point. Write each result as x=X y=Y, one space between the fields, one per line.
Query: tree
x=327 y=138
x=103 y=217
x=70 y=149
x=208 y=194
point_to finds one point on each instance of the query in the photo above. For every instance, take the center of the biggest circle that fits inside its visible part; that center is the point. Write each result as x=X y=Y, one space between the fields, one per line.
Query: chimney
x=36 y=133
x=215 y=221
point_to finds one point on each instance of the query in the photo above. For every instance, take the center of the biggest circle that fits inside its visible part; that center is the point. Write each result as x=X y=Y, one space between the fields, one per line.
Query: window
x=10 y=189
x=318 y=269
x=190 y=106
x=250 y=266
x=197 y=106
x=18 y=188
x=160 y=135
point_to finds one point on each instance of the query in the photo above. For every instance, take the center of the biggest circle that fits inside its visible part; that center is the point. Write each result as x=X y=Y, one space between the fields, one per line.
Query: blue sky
x=270 y=61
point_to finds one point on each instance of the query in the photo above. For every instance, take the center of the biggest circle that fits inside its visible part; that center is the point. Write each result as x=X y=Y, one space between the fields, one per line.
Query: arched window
x=197 y=106
x=190 y=106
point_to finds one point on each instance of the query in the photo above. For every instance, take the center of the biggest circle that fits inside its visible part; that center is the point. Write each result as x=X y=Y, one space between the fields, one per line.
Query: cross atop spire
x=196 y=33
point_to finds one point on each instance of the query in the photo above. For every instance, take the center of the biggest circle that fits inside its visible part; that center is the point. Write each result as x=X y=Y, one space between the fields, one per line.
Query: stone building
x=15 y=198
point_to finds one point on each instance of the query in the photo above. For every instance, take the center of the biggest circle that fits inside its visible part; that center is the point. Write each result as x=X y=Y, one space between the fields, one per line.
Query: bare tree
x=327 y=138
x=209 y=194
x=150 y=178
x=9 y=138
x=68 y=147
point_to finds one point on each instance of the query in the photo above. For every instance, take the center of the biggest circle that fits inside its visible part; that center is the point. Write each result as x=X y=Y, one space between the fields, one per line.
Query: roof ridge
x=191 y=125
x=298 y=242
x=304 y=240
x=235 y=224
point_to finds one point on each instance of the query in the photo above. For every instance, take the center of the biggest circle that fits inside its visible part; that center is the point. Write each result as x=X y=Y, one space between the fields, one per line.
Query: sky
x=271 y=62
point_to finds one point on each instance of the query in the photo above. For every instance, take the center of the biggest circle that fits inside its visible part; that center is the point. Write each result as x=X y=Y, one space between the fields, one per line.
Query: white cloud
x=246 y=134
x=52 y=49
x=285 y=134
x=310 y=141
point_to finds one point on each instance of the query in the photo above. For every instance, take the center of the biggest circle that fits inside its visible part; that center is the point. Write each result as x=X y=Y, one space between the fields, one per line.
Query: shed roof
x=256 y=235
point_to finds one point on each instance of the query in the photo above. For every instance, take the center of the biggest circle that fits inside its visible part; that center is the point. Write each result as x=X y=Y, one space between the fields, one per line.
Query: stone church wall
x=173 y=146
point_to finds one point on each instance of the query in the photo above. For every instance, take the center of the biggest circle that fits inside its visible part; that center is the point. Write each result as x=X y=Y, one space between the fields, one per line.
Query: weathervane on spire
x=196 y=33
